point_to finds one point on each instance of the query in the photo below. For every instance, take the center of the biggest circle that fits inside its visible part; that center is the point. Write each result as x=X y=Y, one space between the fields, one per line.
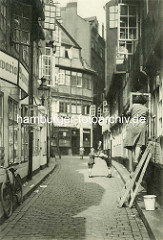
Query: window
x=49 y=16
x=13 y=131
x=86 y=110
x=1 y=120
x=24 y=136
x=21 y=29
x=61 y=107
x=128 y=29
x=79 y=79
x=73 y=108
x=3 y=16
x=56 y=33
x=68 y=77
x=113 y=17
x=58 y=10
x=61 y=77
x=93 y=110
x=47 y=65
x=79 y=109
x=64 y=107
x=73 y=79
x=57 y=53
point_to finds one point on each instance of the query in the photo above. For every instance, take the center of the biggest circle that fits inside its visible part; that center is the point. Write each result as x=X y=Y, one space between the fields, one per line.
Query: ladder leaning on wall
x=131 y=187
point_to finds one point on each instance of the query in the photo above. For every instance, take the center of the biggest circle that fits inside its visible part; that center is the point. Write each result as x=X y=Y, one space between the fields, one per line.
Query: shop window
x=24 y=136
x=36 y=142
x=13 y=131
x=86 y=138
x=1 y=120
x=3 y=16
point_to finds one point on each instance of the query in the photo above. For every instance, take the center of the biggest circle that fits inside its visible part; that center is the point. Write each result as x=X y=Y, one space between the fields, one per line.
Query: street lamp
x=43 y=89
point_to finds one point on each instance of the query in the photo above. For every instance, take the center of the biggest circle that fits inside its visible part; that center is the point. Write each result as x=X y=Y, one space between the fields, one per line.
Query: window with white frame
x=93 y=110
x=128 y=28
x=50 y=12
x=61 y=77
x=73 y=108
x=58 y=10
x=79 y=79
x=86 y=109
x=47 y=67
x=113 y=16
x=79 y=109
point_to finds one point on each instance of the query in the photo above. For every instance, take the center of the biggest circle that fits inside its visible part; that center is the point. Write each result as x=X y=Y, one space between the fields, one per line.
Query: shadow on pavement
x=53 y=213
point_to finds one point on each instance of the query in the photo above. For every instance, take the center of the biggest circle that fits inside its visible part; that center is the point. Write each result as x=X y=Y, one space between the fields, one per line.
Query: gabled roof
x=67 y=38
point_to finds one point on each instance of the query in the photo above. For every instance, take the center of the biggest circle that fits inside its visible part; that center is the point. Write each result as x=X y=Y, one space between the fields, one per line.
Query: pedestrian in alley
x=81 y=153
x=99 y=147
x=91 y=162
x=108 y=161
x=136 y=129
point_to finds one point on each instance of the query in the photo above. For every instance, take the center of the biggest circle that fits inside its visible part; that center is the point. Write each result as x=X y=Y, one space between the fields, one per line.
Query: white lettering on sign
x=8 y=68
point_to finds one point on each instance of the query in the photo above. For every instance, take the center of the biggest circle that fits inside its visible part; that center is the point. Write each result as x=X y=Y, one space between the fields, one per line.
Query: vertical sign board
x=23 y=79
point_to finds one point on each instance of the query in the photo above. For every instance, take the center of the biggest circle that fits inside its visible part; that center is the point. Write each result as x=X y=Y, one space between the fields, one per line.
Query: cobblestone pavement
x=69 y=205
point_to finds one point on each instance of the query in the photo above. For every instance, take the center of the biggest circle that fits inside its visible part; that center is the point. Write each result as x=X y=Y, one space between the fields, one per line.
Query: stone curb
x=139 y=209
x=29 y=192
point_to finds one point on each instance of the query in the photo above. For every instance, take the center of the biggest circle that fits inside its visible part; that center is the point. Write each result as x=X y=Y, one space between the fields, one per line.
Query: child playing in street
x=108 y=161
x=91 y=162
x=81 y=153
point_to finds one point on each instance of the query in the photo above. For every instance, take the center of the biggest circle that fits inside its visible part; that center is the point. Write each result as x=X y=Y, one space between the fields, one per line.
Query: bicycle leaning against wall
x=10 y=188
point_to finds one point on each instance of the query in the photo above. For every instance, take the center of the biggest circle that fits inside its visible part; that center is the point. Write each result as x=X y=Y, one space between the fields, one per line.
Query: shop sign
x=8 y=68
x=10 y=72
x=23 y=78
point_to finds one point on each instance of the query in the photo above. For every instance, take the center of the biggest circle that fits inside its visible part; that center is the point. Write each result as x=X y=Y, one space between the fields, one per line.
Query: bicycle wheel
x=18 y=190
x=7 y=199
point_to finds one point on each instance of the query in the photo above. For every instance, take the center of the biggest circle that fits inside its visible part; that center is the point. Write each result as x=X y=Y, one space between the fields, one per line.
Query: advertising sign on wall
x=8 y=68
x=10 y=71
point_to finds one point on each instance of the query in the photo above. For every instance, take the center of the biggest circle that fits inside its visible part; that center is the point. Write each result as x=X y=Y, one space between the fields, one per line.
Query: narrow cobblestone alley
x=69 y=205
